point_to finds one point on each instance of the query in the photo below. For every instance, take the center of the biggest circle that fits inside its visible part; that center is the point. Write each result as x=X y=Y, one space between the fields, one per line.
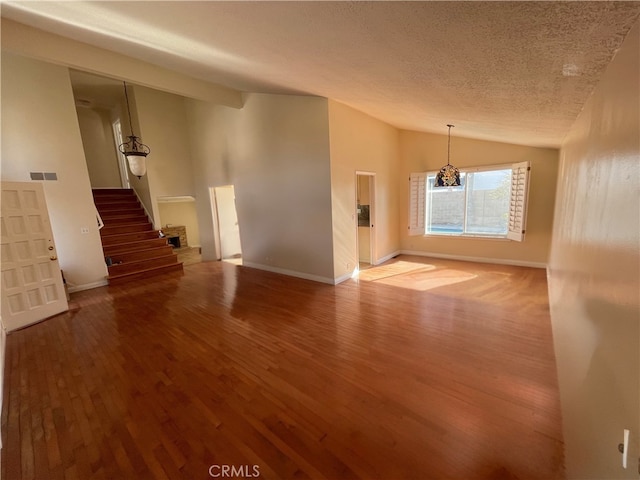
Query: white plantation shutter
x=518 y=201
x=417 y=203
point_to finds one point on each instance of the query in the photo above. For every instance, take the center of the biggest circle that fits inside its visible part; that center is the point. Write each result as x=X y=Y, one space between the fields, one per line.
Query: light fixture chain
x=126 y=96
x=449 y=146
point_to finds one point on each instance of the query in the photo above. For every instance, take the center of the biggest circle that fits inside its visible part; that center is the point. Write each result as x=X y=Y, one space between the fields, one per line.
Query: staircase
x=134 y=248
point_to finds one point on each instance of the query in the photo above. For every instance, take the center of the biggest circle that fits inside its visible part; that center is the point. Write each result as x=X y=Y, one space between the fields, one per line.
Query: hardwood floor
x=421 y=369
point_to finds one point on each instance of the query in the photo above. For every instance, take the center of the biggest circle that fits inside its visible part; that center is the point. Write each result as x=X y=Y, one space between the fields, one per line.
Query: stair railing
x=98 y=218
x=144 y=207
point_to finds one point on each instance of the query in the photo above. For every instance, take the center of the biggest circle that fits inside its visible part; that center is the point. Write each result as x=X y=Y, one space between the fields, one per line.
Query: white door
x=32 y=287
x=227 y=219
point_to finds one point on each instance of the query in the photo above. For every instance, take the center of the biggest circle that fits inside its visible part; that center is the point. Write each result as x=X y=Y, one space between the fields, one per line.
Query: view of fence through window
x=479 y=206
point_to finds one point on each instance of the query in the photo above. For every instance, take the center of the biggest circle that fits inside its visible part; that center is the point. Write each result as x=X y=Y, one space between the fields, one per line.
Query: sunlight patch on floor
x=415 y=276
x=392 y=269
x=235 y=261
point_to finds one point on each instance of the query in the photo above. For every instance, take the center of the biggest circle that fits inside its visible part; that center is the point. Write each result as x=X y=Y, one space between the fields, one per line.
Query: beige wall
x=422 y=152
x=275 y=151
x=40 y=133
x=594 y=274
x=181 y=213
x=99 y=147
x=362 y=143
x=162 y=125
x=212 y=133
x=283 y=185
x=162 y=120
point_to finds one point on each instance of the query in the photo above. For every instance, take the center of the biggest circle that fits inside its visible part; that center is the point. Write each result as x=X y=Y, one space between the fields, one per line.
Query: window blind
x=518 y=201
x=417 y=203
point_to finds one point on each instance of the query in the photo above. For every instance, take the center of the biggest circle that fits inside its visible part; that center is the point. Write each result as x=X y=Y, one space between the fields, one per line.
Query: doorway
x=122 y=161
x=365 y=213
x=225 y=221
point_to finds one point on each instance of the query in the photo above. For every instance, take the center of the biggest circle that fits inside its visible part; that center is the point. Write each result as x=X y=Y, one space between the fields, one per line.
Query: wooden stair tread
x=142 y=265
x=120 y=238
x=125 y=219
x=130 y=224
x=108 y=191
x=139 y=212
x=116 y=206
x=132 y=262
x=111 y=198
x=144 y=251
x=144 y=273
x=136 y=245
x=125 y=228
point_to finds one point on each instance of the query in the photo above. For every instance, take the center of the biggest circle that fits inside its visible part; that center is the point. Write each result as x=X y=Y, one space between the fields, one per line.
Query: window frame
x=518 y=200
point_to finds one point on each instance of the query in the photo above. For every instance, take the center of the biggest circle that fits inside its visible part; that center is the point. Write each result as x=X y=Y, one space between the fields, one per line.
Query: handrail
x=98 y=218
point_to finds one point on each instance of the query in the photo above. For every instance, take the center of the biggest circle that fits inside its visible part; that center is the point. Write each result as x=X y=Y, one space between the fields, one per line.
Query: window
x=490 y=202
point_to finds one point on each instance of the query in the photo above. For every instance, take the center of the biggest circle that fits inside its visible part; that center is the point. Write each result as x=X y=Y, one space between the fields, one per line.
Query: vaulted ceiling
x=516 y=72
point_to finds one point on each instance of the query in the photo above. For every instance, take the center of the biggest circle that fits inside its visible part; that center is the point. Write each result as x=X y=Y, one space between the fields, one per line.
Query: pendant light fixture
x=135 y=151
x=448 y=176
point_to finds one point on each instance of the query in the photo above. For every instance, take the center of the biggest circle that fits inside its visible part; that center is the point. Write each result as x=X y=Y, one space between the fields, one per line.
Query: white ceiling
x=516 y=72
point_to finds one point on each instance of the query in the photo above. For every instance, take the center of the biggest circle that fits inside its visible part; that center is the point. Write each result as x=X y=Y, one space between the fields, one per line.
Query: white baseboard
x=343 y=278
x=87 y=286
x=499 y=261
x=387 y=257
x=348 y=275
x=291 y=273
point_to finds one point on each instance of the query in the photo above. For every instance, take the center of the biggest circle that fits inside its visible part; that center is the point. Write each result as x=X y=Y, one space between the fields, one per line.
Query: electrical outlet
x=84 y=230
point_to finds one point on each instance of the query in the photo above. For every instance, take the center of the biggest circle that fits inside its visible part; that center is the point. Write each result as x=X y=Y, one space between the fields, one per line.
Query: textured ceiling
x=516 y=72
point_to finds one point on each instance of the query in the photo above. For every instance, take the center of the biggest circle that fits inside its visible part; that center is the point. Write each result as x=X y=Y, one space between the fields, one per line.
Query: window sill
x=458 y=235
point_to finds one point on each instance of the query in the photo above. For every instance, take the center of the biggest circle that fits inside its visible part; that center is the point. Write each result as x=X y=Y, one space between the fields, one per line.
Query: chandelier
x=135 y=151
x=448 y=176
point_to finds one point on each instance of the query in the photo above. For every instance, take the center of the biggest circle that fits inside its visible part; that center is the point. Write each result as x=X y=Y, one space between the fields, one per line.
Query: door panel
x=32 y=287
